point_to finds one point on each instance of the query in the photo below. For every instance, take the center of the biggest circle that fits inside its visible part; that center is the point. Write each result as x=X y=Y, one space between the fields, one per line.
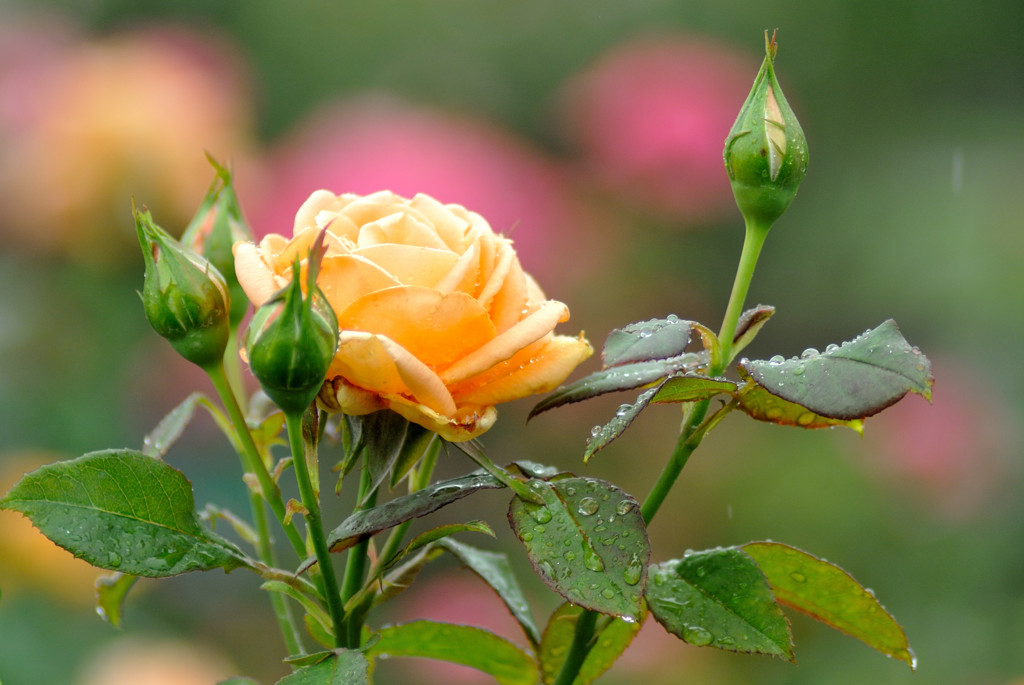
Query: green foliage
x=338 y=667
x=719 y=598
x=466 y=645
x=587 y=542
x=495 y=570
x=851 y=381
x=610 y=642
x=831 y=595
x=373 y=520
x=122 y=511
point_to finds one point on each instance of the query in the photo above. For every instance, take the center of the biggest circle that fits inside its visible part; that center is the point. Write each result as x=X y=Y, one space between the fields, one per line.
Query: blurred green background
x=592 y=130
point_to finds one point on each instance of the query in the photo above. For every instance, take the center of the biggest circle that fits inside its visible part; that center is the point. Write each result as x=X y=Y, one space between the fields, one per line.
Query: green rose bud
x=216 y=227
x=184 y=296
x=292 y=339
x=766 y=151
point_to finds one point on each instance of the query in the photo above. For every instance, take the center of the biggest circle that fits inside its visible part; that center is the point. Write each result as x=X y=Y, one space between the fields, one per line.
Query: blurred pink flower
x=957 y=451
x=650 y=118
x=375 y=143
x=87 y=124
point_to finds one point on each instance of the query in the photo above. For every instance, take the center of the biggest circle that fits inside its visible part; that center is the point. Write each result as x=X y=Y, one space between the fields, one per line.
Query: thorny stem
x=314 y=527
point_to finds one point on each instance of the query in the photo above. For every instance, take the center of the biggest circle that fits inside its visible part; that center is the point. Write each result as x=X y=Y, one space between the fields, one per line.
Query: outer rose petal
x=376 y=363
x=436 y=328
x=255 y=277
x=502 y=347
x=464 y=426
x=541 y=367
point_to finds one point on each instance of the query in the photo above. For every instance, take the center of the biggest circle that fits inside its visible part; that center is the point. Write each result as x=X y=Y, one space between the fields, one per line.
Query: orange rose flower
x=438 y=321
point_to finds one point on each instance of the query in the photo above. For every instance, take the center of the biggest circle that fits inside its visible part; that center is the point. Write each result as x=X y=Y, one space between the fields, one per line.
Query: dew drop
x=527 y=536
x=809 y=353
x=624 y=507
x=592 y=561
x=623 y=410
x=607 y=593
x=798 y=577
x=570 y=491
x=805 y=419
x=773 y=413
x=540 y=514
x=569 y=555
x=113 y=559
x=445 y=490
x=777 y=359
x=697 y=636
x=832 y=347
x=634 y=571
x=798 y=371
x=595 y=431
x=588 y=506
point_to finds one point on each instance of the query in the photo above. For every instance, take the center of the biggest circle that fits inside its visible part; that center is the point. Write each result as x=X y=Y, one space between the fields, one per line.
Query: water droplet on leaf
x=588 y=506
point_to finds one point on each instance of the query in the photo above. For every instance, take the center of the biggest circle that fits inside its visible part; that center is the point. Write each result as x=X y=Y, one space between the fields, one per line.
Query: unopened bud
x=184 y=296
x=292 y=339
x=766 y=151
x=216 y=227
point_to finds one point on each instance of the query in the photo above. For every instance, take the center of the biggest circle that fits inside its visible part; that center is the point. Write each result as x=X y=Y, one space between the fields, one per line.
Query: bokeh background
x=591 y=131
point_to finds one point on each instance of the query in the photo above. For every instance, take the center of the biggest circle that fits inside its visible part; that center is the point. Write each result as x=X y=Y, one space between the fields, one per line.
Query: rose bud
x=292 y=339
x=766 y=151
x=184 y=296
x=216 y=227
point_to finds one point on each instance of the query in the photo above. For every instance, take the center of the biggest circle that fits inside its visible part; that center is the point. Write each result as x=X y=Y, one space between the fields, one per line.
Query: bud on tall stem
x=184 y=296
x=766 y=151
x=213 y=231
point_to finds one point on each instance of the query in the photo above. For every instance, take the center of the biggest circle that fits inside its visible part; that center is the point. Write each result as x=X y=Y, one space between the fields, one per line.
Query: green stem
x=264 y=543
x=752 y=242
x=355 y=565
x=251 y=460
x=265 y=550
x=692 y=432
x=314 y=527
x=581 y=643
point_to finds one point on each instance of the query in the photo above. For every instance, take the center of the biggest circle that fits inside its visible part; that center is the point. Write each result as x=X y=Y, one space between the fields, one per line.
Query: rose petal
x=463 y=274
x=450 y=228
x=503 y=346
x=401 y=228
x=410 y=265
x=345 y=278
x=509 y=304
x=437 y=328
x=319 y=201
x=496 y=278
x=466 y=426
x=376 y=363
x=255 y=277
x=541 y=367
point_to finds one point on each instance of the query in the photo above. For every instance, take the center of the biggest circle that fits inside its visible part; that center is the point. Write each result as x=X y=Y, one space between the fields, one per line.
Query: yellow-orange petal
x=509 y=304
x=401 y=228
x=345 y=278
x=541 y=367
x=318 y=201
x=410 y=265
x=463 y=274
x=437 y=328
x=466 y=425
x=450 y=228
x=374 y=362
x=255 y=277
x=338 y=395
x=503 y=346
x=502 y=268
